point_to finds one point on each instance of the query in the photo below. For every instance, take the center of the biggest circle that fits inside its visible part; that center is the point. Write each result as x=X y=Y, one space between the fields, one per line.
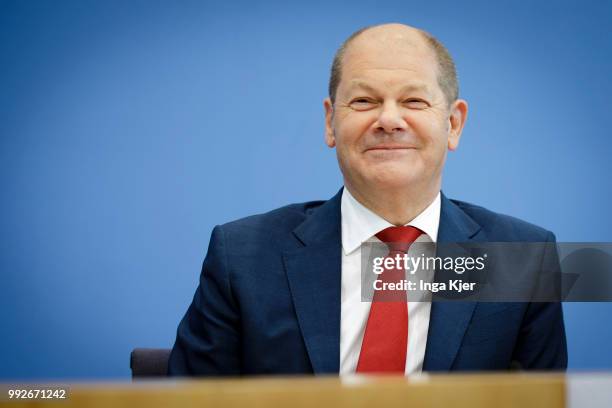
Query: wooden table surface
x=427 y=390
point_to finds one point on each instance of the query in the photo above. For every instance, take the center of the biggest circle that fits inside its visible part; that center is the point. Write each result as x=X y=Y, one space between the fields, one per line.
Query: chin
x=393 y=180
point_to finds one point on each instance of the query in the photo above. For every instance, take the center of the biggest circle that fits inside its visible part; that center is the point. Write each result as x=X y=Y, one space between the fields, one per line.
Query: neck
x=397 y=206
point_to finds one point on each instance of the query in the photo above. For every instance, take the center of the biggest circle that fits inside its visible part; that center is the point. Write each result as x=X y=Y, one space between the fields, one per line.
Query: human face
x=391 y=124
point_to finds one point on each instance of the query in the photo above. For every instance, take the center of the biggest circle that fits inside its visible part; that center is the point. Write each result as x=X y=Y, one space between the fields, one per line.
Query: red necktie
x=385 y=339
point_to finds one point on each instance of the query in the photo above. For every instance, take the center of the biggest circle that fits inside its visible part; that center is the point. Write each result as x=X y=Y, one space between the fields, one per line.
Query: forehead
x=389 y=60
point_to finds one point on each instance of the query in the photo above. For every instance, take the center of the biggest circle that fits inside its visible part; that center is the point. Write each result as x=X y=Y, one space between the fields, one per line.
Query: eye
x=415 y=103
x=362 y=103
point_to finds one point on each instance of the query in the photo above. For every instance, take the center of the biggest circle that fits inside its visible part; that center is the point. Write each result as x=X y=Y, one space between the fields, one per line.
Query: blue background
x=128 y=129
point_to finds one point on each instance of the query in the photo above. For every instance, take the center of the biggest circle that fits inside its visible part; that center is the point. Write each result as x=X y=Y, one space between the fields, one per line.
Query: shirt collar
x=359 y=224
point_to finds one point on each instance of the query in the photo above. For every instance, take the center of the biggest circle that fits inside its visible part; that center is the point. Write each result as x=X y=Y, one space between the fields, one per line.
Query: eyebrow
x=406 y=88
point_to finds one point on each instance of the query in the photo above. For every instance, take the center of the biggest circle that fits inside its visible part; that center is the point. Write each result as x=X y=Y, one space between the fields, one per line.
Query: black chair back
x=149 y=362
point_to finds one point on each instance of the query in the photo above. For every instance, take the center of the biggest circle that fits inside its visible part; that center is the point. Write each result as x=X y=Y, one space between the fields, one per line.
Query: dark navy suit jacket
x=268 y=301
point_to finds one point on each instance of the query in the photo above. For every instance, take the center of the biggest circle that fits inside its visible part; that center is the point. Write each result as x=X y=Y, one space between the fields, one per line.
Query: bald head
x=395 y=38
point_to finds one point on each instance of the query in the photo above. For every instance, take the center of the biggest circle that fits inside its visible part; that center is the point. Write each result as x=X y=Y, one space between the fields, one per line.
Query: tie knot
x=399 y=238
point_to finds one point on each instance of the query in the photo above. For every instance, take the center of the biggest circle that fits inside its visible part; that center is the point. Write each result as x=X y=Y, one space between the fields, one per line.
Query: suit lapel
x=449 y=320
x=314 y=275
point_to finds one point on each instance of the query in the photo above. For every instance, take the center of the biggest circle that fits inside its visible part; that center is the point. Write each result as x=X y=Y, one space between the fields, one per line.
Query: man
x=280 y=292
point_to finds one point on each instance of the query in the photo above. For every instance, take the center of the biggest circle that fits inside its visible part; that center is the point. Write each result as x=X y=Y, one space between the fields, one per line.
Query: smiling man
x=392 y=114
x=280 y=293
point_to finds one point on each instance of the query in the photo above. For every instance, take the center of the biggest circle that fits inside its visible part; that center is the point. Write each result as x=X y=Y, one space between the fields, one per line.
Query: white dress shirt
x=359 y=225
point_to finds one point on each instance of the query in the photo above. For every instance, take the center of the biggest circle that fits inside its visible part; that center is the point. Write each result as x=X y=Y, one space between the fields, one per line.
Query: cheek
x=353 y=126
x=431 y=131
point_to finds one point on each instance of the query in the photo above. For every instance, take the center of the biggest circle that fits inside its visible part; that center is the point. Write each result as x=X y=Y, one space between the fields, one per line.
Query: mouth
x=389 y=148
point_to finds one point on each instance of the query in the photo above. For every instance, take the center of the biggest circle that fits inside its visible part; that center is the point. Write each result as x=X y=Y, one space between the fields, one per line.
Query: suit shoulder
x=282 y=219
x=502 y=227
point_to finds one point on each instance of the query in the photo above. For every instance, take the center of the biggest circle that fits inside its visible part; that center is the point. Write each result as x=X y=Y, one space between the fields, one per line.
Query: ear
x=457 y=118
x=330 y=139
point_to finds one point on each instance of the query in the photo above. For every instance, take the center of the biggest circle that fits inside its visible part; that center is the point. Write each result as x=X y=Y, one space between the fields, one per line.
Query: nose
x=390 y=119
